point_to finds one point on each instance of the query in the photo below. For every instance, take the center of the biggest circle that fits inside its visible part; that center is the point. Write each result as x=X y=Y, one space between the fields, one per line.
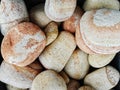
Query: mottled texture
x=77 y=66
x=20 y=77
x=101 y=38
x=100 y=60
x=97 y=4
x=80 y=43
x=56 y=55
x=48 y=80
x=103 y=79
x=38 y=16
x=7 y=26
x=51 y=32
x=60 y=10
x=71 y=23
x=11 y=10
x=23 y=44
